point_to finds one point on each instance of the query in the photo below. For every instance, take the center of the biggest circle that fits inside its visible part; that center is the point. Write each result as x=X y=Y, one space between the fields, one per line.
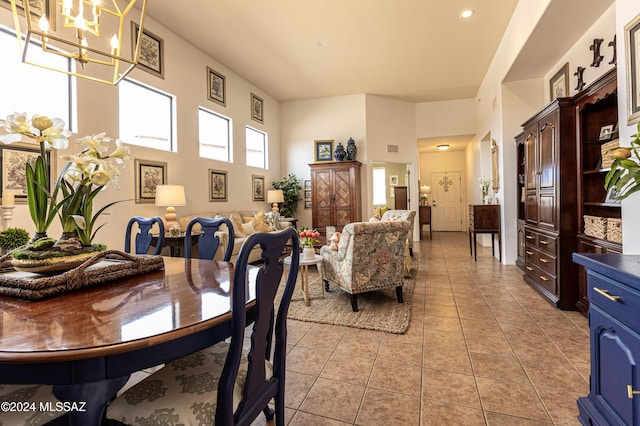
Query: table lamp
x=170 y=196
x=275 y=196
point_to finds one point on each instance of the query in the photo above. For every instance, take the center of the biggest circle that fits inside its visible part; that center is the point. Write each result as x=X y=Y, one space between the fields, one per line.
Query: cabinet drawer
x=543 y=278
x=547 y=263
x=531 y=238
x=547 y=244
x=618 y=300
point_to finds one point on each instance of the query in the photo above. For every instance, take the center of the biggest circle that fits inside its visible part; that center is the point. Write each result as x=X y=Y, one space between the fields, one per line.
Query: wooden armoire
x=335 y=194
x=550 y=176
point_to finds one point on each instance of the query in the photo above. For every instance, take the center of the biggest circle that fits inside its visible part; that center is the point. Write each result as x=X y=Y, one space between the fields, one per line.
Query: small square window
x=256 y=148
x=215 y=135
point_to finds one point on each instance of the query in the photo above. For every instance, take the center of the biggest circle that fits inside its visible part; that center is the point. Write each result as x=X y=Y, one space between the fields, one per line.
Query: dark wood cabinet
x=614 y=337
x=520 y=197
x=521 y=244
x=550 y=175
x=401 y=197
x=597 y=106
x=425 y=219
x=336 y=194
x=484 y=219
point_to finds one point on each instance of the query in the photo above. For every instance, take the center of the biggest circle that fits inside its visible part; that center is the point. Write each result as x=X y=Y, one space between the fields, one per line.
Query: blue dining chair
x=224 y=384
x=208 y=241
x=144 y=237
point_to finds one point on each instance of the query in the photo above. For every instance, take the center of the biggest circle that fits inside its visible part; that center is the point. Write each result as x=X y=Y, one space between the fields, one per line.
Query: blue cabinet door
x=615 y=352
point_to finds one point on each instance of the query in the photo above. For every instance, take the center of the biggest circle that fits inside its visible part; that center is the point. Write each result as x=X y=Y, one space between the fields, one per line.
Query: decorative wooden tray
x=106 y=266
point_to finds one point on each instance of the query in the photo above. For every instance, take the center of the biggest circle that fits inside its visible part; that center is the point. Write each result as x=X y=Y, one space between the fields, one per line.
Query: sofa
x=369 y=256
x=244 y=224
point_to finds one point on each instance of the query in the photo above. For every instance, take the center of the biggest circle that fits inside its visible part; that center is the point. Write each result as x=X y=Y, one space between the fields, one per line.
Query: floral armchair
x=370 y=257
x=408 y=215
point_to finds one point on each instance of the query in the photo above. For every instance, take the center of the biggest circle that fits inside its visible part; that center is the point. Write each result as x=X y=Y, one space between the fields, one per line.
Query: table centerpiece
x=84 y=176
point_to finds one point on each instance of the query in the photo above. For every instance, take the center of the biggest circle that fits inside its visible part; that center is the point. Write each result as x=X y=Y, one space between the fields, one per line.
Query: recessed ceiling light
x=467 y=13
x=443 y=147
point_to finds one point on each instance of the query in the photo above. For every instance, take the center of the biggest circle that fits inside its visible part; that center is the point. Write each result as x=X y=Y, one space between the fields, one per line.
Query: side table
x=292 y=220
x=175 y=243
x=304 y=268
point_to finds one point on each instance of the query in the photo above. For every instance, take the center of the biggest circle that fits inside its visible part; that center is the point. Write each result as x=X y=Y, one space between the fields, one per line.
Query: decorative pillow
x=380 y=211
x=238 y=229
x=223 y=227
x=374 y=219
x=273 y=220
x=335 y=240
x=260 y=224
x=248 y=228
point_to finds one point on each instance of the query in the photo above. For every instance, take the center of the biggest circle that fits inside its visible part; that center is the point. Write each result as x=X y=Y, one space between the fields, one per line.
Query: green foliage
x=12 y=238
x=290 y=186
x=625 y=171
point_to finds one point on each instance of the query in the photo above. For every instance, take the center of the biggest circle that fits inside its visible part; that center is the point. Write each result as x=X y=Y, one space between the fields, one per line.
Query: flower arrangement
x=308 y=237
x=485 y=184
x=71 y=199
x=624 y=175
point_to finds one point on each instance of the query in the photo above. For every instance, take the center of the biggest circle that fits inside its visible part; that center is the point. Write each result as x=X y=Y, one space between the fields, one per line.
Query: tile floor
x=482 y=348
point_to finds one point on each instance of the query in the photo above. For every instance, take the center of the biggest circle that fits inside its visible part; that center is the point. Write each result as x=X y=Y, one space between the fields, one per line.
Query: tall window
x=32 y=89
x=256 y=148
x=146 y=116
x=379 y=186
x=215 y=135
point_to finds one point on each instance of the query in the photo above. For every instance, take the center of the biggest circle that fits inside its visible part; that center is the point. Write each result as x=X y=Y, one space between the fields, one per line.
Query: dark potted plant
x=290 y=186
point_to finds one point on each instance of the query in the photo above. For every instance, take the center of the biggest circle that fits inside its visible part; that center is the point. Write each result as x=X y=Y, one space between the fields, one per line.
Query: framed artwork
x=148 y=175
x=307 y=204
x=218 y=185
x=257 y=108
x=559 y=83
x=151 y=51
x=14 y=158
x=632 y=41
x=258 y=187
x=37 y=9
x=606 y=132
x=610 y=198
x=307 y=194
x=393 y=180
x=307 y=184
x=216 y=85
x=323 y=151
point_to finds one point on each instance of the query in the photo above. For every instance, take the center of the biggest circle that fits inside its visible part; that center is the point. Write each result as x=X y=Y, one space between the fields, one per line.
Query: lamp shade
x=170 y=195
x=425 y=189
x=275 y=196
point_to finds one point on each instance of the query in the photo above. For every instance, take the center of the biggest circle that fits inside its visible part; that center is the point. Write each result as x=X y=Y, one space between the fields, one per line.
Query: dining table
x=87 y=343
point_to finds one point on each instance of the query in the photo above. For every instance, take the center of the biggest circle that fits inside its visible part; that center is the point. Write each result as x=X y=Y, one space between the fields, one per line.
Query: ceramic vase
x=308 y=253
x=340 y=153
x=351 y=150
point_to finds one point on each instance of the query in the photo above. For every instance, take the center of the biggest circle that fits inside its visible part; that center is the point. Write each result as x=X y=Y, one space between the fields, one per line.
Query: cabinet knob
x=529 y=268
x=631 y=392
x=543 y=260
x=606 y=294
x=545 y=242
x=543 y=278
x=529 y=252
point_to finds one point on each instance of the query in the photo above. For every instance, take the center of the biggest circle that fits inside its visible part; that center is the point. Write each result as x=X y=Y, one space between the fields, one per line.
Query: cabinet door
x=614 y=366
x=547 y=151
x=530 y=153
x=323 y=198
x=343 y=197
x=521 y=243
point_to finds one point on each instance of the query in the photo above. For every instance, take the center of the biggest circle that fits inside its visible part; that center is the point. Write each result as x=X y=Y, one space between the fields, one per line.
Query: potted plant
x=12 y=238
x=290 y=186
x=625 y=170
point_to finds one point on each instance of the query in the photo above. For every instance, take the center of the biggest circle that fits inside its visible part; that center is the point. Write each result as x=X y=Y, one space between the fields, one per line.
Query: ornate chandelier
x=91 y=34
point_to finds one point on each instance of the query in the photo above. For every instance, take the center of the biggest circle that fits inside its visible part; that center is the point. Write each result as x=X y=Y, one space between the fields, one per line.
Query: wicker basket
x=614 y=230
x=605 y=151
x=595 y=226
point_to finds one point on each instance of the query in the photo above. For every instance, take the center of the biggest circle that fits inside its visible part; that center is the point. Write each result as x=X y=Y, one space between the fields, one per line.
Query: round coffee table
x=304 y=268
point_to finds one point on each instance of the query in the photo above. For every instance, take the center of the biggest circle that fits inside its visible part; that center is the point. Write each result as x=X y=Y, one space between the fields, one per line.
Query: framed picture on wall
x=216 y=85
x=217 y=185
x=148 y=175
x=632 y=44
x=257 y=187
x=14 y=158
x=559 y=83
x=257 y=108
x=393 y=180
x=37 y=8
x=307 y=204
x=151 y=51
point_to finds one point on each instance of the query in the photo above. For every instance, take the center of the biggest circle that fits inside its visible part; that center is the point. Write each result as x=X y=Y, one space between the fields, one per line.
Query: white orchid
x=43 y=129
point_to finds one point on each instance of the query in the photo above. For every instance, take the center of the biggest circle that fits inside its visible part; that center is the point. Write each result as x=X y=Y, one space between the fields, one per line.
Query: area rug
x=377 y=310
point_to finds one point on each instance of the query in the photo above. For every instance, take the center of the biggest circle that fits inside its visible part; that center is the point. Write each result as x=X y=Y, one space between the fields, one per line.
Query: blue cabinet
x=613 y=286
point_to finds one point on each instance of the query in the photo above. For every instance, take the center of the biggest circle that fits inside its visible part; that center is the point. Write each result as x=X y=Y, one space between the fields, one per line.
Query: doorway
x=446 y=201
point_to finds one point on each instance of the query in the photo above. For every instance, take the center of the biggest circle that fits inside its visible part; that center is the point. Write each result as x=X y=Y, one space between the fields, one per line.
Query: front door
x=446 y=201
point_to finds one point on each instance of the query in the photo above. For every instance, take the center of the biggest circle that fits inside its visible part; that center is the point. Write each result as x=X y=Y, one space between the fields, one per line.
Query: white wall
x=185 y=77
x=337 y=118
x=626 y=10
